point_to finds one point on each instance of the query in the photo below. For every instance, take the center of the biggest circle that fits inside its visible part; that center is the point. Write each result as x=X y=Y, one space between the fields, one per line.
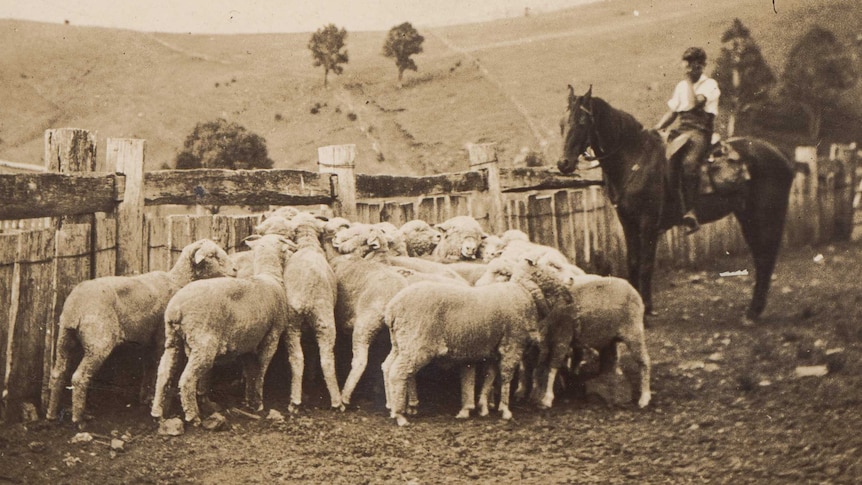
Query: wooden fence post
x=484 y=157
x=339 y=160
x=126 y=156
x=74 y=260
x=809 y=203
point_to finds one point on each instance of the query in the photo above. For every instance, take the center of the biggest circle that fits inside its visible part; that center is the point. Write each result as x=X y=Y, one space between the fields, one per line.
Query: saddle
x=723 y=171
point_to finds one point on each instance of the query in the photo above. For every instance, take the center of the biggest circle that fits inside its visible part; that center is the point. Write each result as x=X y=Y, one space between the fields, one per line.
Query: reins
x=594 y=133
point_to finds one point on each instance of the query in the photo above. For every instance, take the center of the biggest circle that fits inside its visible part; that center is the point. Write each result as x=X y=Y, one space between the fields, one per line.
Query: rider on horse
x=695 y=103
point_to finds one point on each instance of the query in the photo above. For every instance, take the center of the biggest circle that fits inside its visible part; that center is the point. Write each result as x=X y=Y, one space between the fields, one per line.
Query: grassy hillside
x=501 y=82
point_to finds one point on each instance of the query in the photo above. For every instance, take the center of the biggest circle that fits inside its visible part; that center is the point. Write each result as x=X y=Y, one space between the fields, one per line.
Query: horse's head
x=576 y=127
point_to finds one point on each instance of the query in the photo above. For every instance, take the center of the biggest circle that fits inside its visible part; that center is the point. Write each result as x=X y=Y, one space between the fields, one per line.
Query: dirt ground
x=728 y=406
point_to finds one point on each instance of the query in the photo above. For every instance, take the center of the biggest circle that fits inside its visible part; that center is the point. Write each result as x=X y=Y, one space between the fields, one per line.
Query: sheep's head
x=208 y=260
x=543 y=283
x=287 y=212
x=514 y=235
x=555 y=261
x=491 y=248
x=332 y=226
x=306 y=225
x=419 y=237
x=280 y=245
x=359 y=239
x=499 y=270
x=462 y=236
x=394 y=239
x=274 y=224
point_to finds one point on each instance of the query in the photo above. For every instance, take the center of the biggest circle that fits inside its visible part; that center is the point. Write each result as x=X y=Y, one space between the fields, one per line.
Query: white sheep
x=419 y=237
x=467 y=324
x=101 y=314
x=462 y=236
x=397 y=244
x=311 y=287
x=605 y=311
x=365 y=285
x=226 y=316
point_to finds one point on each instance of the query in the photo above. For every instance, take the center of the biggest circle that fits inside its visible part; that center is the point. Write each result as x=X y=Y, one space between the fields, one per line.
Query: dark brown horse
x=640 y=182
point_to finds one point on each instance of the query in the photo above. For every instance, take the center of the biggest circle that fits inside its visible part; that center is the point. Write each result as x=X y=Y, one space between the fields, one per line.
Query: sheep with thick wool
x=604 y=312
x=462 y=236
x=365 y=285
x=419 y=237
x=431 y=320
x=103 y=313
x=312 y=290
x=226 y=316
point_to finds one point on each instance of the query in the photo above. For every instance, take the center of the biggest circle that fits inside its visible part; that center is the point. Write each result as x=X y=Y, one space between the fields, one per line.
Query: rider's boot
x=689 y=192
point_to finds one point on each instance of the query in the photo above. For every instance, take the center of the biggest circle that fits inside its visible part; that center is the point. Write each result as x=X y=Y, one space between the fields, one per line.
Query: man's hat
x=694 y=54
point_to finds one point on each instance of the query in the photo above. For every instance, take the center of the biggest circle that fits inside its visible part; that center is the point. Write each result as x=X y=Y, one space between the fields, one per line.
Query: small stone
x=764 y=383
x=81 y=438
x=171 y=427
x=215 y=422
x=70 y=460
x=716 y=357
x=37 y=446
x=711 y=367
x=692 y=365
x=811 y=371
x=276 y=416
x=118 y=445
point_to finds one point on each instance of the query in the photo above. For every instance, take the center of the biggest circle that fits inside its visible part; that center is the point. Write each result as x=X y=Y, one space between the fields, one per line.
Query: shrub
x=222 y=144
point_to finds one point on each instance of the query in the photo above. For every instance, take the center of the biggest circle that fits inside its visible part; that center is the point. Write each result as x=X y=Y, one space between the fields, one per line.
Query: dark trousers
x=695 y=153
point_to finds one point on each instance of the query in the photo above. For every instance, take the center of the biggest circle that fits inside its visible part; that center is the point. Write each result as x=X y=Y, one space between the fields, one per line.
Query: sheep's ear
x=531 y=260
x=287 y=242
x=250 y=240
x=322 y=218
x=206 y=249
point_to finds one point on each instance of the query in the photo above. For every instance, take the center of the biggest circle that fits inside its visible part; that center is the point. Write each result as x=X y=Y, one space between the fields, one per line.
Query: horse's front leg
x=646 y=265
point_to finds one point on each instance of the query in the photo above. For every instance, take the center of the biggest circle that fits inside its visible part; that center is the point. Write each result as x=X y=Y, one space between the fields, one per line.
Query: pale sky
x=250 y=16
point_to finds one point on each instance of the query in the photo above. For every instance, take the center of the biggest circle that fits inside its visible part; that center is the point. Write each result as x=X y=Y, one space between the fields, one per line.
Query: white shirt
x=685 y=91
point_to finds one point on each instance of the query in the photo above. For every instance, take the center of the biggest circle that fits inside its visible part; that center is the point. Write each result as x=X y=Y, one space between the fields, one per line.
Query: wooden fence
x=94 y=221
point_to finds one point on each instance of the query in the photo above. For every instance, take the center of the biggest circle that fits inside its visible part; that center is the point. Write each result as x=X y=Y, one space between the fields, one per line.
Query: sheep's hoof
x=412 y=410
x=483 y=411
x=293 y=408
x=194 y=421
x=463 y=414
x=507 y=415
x=644 y=400
x=401 y=421
x=339 y=407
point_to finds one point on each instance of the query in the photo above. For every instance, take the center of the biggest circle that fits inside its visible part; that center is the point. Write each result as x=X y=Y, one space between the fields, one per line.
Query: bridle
x=594 y=138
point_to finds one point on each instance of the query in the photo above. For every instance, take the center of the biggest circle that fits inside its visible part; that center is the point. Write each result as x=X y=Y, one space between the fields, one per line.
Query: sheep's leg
x=200 y=362
x=468 y=389
x=508 y=363
x=94 y=357
x=641 y=357
x=400 y=371
x=357 y=368
x=167 y=367
x=485 y=401
x=297 y=366
x=412 y=396
x=523 y=384
x=385 y=367
x=60 y=371
x=548 y=398
x=264 y=357
x=250 y=374
x=609 y=359
x=326 y=345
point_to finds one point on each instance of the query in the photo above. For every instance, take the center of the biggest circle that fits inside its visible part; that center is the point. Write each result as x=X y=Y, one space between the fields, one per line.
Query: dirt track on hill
x=727 y=407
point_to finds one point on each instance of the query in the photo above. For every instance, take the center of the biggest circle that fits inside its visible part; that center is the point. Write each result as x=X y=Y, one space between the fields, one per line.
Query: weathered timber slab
x=27 y=196
x=523 y=179
x=236 y=187
x=390 y=186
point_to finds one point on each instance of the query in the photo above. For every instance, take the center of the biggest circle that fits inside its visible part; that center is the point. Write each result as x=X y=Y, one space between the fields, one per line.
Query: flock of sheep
x=448 y=292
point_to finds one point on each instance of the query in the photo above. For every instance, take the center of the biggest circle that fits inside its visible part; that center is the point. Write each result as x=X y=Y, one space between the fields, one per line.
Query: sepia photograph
x=410 y=242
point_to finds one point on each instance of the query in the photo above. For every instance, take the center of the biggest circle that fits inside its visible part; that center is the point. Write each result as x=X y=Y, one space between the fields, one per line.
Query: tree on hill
x=223 y=144
x=741 y=73
x=325 y=46
x=818 y=70
x=402 y=42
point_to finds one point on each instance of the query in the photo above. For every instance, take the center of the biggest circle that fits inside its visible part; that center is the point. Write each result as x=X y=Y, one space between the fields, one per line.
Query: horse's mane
x=627 y=128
